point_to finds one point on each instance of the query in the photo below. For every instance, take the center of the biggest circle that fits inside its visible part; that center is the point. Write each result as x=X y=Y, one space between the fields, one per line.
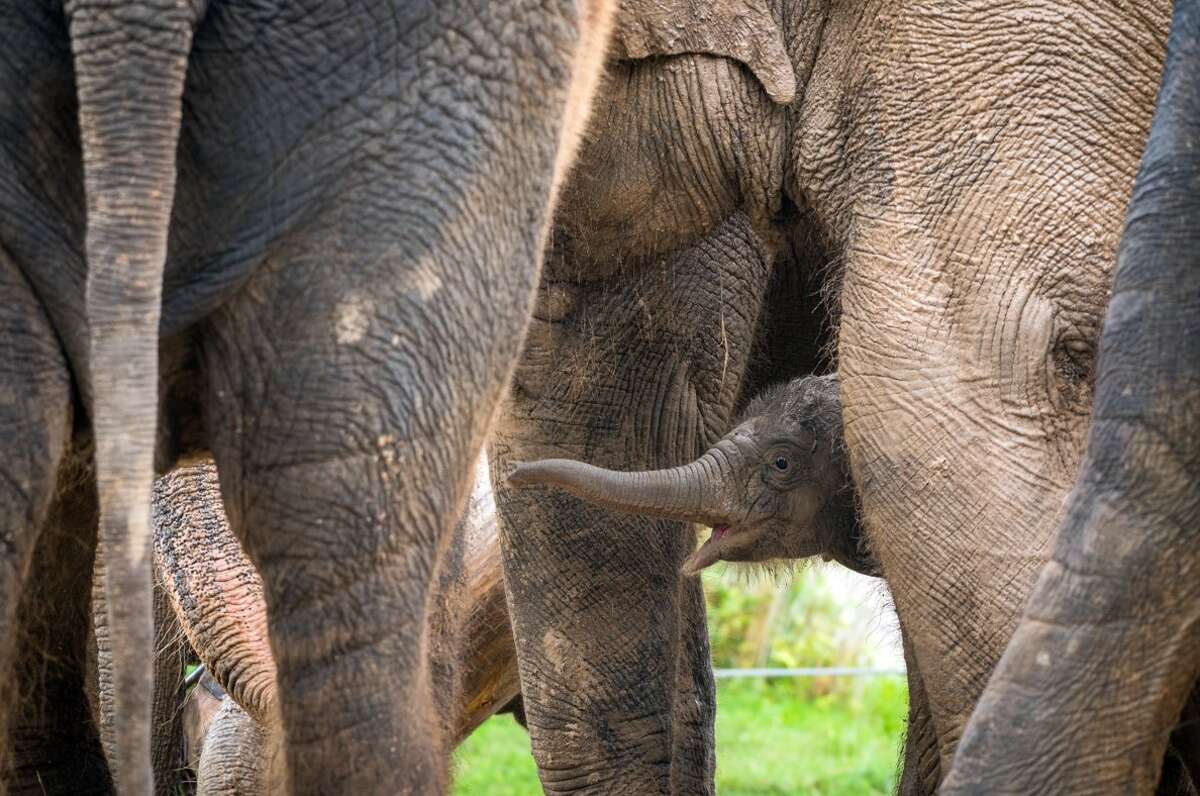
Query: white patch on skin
x=421 y=279
x=556 y=646
x=387 y=447
x=428 y=284
x=353 y=319
x=1043 y=658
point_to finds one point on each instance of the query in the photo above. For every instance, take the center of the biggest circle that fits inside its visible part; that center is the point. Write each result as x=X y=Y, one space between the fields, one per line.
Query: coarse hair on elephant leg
x=55 y=746
x=920 y=763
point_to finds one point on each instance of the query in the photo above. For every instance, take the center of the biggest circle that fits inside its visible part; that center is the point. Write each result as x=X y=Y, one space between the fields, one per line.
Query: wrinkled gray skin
x=964 y=167
x=217 y=596
x=1102 y=671
x=777 y=487
x=304 y=236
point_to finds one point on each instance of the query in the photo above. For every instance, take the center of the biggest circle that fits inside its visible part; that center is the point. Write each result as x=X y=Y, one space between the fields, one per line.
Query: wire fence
x=813 y=671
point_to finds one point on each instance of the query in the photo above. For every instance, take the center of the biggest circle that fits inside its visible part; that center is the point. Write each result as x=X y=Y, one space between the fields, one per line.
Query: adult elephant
x=964 y=169
x=1099 y=673
x=291 y=222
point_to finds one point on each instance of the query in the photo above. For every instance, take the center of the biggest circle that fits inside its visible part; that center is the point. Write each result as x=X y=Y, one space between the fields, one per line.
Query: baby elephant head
x=776 y=487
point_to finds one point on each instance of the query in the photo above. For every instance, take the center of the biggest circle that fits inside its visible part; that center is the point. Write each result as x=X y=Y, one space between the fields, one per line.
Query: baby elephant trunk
x=689 y=493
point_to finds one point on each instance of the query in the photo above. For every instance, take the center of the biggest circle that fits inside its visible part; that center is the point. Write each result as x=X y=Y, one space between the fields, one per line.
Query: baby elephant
x=778 y=486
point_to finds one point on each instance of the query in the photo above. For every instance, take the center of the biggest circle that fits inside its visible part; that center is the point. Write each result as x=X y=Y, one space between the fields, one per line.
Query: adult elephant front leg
x=636 y=371
x=975 y=283
x=352 y=379
x=1108 y=650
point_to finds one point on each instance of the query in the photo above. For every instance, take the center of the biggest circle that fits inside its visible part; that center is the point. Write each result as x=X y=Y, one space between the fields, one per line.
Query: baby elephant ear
x=744 y=30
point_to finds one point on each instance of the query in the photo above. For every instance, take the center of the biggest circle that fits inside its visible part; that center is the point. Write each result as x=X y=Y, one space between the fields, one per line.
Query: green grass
x=772 y=739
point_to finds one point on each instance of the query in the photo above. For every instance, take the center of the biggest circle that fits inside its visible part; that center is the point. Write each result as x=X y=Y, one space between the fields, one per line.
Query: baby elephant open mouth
x=776 y=487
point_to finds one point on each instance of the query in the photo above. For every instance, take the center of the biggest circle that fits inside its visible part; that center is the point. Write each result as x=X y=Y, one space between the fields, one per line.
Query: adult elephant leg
x=56 y=741
x=35 y=424
x=219 y=598
x=693 y=750
x=1108 y=649
x=975 y=283
x=353 y=378
x=344 y=464
x=636 y=371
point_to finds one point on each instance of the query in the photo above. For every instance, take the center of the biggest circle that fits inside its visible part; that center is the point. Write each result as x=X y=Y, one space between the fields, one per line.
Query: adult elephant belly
x=675 y=146
x=985 y=214
x=635 y=357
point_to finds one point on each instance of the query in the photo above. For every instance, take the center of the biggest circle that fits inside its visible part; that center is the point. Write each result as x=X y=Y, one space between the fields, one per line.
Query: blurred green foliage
x=785 y=620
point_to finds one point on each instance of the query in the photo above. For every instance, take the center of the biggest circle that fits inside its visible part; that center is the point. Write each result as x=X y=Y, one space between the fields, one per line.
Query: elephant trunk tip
x=547 y=472
x=523 y=475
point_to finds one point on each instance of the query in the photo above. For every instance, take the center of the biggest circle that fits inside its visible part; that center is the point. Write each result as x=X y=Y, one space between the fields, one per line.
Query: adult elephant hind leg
x=345 y=440
x=35 y=426
x=353 y=379
x=1108 y=649
x=637 y=372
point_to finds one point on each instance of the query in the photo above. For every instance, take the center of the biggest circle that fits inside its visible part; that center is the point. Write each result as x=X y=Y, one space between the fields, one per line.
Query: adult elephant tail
x=130 y=65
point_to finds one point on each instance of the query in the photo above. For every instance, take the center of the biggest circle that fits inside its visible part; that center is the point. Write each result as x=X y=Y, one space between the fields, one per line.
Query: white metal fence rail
x=814 y=671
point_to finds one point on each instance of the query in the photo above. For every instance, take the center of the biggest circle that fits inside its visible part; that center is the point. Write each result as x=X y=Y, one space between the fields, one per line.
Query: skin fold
x=1102 y=669
x=304 y=237
x=948 y=181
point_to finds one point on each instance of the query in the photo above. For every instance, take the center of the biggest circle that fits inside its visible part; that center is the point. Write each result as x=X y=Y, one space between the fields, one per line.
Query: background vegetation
x=832 y=735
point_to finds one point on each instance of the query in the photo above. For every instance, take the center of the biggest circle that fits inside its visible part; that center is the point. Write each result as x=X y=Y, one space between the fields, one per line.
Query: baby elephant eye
x=781 y=463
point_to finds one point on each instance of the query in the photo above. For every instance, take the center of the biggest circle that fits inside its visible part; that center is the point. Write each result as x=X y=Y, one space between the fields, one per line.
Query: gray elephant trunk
x=689 y=493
